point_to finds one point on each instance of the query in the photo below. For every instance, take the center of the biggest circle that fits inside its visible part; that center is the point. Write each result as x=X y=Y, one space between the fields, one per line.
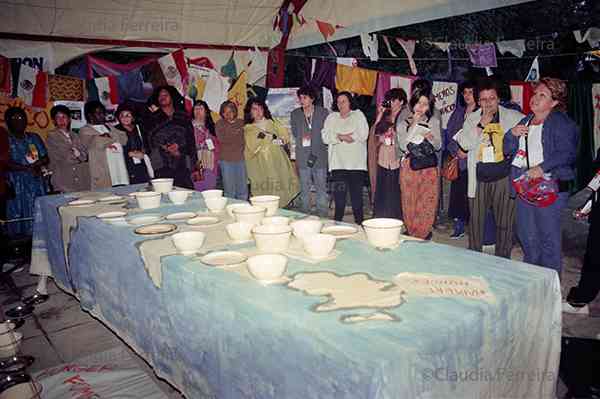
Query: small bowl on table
x=249 y=214
x=271 y=202
x=306 y=227
x=178 y=197
x=272 y=238
x=148 y=199
x=268 y=267
x=383 y=232
x=216 y=205
x=319 y=246
x=206 y=194
x=239 y=231
x=163 y=185
x=188 y=242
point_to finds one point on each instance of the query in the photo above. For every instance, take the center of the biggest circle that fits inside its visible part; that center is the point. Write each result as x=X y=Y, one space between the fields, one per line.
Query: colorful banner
x=596 y=98
x=445 y=99
x=39 y=119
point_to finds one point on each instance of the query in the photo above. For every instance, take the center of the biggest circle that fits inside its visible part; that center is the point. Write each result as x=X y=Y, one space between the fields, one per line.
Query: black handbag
x=421 y=156
x=488 y=172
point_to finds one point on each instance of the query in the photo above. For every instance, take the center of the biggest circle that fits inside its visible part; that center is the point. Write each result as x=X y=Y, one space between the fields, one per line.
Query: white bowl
x=216 y=205
x=306 y=227
x=267 y=267
x=24 y=390
x=211 y=194
x=319 y=246
x=278 y=220
x=231 y=207
x=272 y=238
x=148 y=199
x=249 y=214
x=10 y=343
x=239 y=231
x=179 y=197
x=383 y=232
x=188 y=242
x=271 y=202
x=162 y=185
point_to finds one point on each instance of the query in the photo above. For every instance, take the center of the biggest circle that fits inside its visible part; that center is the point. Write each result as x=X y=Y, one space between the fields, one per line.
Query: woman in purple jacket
x=544 y=143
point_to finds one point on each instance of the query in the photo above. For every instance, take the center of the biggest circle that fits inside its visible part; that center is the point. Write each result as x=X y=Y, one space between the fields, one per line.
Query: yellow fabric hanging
x=355 y=80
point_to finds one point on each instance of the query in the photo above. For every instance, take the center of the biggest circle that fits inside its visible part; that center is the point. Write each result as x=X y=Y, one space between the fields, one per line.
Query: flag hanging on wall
x=31 y=85
x=175 y=70
x=106 y=90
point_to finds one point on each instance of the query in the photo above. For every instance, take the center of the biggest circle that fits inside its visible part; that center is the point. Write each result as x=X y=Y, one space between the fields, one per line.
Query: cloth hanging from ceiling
x=323 y=74
x=65 y=88
x=387 y=81
x=355 y=80
x=216 y=89
x=5 y=72
x=98 y=67
x=370 y=46
x=409 y=48
x=483 y=55
x=516 y=47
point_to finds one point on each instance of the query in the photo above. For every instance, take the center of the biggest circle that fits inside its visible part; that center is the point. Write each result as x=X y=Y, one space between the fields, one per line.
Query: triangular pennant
x=534 y=71
x=326 y=29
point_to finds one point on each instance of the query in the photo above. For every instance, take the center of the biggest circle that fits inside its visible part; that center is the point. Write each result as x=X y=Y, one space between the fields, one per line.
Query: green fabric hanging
x=581 y=109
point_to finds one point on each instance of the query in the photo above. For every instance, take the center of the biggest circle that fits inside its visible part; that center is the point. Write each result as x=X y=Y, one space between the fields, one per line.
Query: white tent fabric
x=228 y=22
x=367 y=16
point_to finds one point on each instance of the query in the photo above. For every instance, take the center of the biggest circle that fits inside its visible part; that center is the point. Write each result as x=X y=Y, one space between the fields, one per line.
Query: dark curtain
x=581 y=109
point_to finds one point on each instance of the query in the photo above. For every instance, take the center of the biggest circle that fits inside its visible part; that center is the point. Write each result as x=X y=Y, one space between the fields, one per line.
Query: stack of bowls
x=271 y=202
x=272 y=238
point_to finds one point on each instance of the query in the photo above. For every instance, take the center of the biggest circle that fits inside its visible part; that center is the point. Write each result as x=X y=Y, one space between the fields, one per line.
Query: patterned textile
x=65 y=88
x=356 y=80
x=27 y=187
x=419 y=198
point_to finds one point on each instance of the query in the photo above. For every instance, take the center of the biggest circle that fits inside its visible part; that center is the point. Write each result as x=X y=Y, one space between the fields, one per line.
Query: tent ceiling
x=366 y=16
x=219 y=22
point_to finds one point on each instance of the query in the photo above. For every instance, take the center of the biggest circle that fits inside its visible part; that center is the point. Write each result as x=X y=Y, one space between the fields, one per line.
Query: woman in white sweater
x=346 y=132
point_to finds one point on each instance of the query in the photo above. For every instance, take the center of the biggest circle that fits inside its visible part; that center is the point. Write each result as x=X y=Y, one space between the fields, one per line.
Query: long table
x=423 y=320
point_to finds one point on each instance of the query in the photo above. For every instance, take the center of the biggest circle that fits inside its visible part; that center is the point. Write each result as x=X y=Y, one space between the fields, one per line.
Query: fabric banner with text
x=445 y=99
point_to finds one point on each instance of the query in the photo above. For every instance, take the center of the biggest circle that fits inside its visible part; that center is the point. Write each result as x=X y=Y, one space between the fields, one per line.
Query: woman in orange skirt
x=420 y=189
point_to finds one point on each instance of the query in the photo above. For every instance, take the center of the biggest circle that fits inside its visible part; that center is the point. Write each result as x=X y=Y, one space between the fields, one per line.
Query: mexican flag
x=31 y=85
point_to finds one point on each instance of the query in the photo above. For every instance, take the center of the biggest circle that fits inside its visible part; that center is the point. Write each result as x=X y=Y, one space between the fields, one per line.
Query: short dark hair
x=467 y=84
x=248 y=115
x=307 y=91
x=59 y=109
x=13 y=111
x=396 y=94
x=423 y=91
x=488 y=84
x=228 y=104
x=350 y=98
x=91 y=107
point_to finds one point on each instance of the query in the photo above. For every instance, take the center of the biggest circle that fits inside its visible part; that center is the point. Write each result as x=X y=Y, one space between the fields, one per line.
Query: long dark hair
x=176 y=98
x=208 y=121
x=426 y=92
x=248 y=115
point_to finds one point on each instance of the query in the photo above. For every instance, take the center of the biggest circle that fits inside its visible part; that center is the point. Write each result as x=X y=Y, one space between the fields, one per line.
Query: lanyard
x=308 y=119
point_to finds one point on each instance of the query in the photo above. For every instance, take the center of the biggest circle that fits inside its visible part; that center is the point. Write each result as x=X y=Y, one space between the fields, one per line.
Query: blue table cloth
x=216 y=333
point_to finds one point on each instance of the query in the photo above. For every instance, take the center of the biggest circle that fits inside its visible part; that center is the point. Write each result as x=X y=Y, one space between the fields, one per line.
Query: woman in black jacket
x=589 y=284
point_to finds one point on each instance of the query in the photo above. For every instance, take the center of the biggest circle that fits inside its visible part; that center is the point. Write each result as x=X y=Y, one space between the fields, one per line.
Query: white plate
x=181 y=216
x=223 y=258
x=204 y=221
x=111 y=198
x=340 y=231
x=111 y=215
x=81 y=202
x=144 y=219
x=155 y=229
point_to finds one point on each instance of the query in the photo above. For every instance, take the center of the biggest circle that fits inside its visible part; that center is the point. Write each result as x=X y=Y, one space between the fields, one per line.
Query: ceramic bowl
x=216 y=205
x=25 y=390
x=272 y=238
x=231 y=207
x=148 y=199
x=179 y=197
x=162 y=185
x=188 y=242
x=383 y=232
x=271 y=202
x=306 y=227
x=267 y=267
x=211 y=194
x=249 y=214
x=10 y=342
x=239 y=231
x=319 y=246
x=277 y=220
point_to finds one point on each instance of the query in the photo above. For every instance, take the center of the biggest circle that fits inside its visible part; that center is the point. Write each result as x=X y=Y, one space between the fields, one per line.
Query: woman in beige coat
x=97 y=137
x=68 y=156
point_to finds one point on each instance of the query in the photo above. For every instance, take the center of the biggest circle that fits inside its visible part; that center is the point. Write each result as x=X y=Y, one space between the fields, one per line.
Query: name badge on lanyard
x=306 y=137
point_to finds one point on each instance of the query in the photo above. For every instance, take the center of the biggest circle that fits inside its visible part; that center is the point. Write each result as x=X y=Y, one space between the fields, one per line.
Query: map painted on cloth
x=352 y=291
